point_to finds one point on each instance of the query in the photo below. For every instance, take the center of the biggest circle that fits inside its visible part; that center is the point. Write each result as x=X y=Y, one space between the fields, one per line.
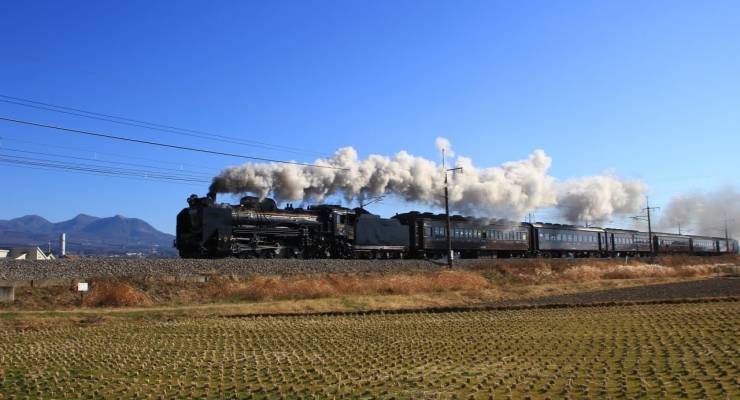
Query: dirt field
x=665 y=351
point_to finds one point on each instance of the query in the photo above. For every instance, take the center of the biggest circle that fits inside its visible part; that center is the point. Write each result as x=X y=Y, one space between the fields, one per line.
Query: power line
x=201 y=174
x=171 y=146
x=37 y=163
x=66 y=170
x=96 y=168
x=149 y=125
x=96 y=152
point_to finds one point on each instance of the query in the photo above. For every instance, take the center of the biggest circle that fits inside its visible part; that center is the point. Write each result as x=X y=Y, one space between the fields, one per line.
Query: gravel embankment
x=106 y=267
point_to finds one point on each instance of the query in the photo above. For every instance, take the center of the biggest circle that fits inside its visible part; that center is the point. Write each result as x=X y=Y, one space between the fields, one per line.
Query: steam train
x=258 y=228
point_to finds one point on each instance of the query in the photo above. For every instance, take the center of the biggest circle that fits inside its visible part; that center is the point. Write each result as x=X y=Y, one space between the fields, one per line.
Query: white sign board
x=82 y=287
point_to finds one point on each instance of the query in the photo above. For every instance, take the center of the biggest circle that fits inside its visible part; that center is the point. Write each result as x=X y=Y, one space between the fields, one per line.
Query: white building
x=26 y=253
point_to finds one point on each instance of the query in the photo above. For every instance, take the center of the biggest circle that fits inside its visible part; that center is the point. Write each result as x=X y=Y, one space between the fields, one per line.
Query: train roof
x=566 y=226
x=456 y=218
x=622 y=230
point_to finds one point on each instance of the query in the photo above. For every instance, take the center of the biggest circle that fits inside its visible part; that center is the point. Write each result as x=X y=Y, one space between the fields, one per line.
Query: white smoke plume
x=703 y=213
x=595 y=198
x=509 y=190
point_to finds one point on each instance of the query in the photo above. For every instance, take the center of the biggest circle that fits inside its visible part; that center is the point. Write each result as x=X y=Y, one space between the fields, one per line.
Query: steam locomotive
x=258 y=228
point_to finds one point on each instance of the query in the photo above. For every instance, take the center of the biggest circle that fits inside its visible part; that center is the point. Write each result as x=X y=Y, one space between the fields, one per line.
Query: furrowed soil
x=646 y=351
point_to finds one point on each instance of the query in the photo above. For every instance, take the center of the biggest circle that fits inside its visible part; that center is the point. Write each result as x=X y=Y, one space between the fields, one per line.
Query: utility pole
x=447 y=209
x=649 y=221
x=650 y=227
x=679 y=228
x=727 y=235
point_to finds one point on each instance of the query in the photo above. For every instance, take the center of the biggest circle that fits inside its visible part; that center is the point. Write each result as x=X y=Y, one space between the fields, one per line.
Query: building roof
x=28 y=253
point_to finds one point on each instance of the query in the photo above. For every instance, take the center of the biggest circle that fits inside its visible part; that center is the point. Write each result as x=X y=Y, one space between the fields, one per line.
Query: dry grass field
x=653 y=351
x=476 y=281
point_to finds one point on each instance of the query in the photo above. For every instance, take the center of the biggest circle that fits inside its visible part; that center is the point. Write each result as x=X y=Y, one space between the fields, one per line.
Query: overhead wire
x=96 y=169
x=149 y=125
x=96 y=152
x=164 y=145
x=14 y=150
x=52 y=169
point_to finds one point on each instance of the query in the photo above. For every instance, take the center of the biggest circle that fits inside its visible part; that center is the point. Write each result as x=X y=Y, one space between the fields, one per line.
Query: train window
x=524 y=235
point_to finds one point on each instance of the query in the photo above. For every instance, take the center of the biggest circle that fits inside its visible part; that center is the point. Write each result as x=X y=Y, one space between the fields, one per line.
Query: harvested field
x=668 y=351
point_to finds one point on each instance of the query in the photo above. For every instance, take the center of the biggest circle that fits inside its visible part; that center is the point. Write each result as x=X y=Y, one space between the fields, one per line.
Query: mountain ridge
x=87 y=234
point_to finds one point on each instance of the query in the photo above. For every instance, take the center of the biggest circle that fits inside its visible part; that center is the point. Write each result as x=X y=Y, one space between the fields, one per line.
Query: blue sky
x=645 y=90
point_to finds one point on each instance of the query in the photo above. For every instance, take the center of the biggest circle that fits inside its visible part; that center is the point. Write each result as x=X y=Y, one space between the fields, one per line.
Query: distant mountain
x=75 y=224
x=87 y=235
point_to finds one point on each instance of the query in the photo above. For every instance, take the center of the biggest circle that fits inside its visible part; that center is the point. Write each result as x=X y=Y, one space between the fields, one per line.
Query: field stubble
x=655 y=351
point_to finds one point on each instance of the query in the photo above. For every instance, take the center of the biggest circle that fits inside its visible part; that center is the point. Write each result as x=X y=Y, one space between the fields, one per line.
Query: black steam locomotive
x=258 y=228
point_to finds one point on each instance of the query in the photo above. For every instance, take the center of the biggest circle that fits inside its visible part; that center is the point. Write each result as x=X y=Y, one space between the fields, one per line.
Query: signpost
x=82 y=287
